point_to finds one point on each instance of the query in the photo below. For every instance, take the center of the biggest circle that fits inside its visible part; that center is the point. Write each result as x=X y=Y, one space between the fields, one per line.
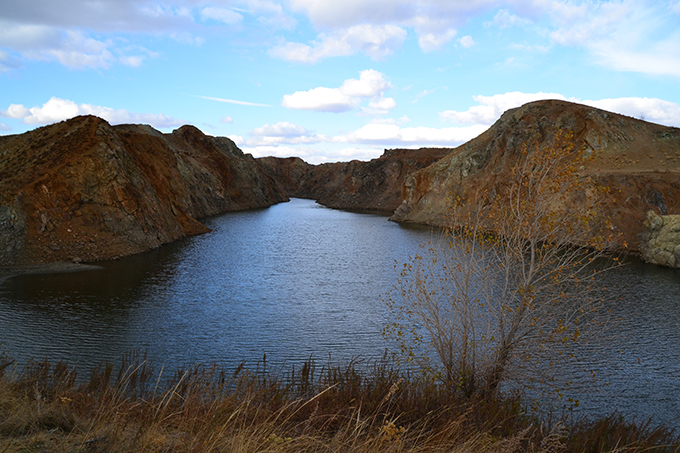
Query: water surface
x=299 y=280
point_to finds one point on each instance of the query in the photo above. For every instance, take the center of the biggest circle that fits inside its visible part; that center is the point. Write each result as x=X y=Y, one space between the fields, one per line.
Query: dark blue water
x=299 y=280
x=290 y=281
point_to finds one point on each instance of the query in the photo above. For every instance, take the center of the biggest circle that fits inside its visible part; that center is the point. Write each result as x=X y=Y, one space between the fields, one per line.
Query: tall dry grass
x=135 y=408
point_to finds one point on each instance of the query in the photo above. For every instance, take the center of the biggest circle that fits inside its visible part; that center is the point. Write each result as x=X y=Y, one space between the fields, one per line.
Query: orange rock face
x=637 y=160
x=375 y=185
x=82 y=190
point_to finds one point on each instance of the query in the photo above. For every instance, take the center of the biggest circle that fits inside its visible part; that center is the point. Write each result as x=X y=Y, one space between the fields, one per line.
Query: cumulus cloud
x=434 y=21
x=392 y=134
x=379 y=106
x=490 y=108
x=57 y=109
x=320 y=99
x=226 y=120
x=281 y=133
x=429 y=42
x=4 y=127
x=225 y=15
x=372 y=40
x=504 y=19
x=467 y=41
x=72 y=48
x=370 y=85
x=280 y=129
x=651 y=109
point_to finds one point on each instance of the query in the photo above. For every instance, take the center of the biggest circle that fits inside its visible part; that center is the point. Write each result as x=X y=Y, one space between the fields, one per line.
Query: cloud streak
x=233 y=101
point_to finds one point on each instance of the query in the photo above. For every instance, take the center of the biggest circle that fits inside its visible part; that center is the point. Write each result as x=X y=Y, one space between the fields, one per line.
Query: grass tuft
x=351 y=408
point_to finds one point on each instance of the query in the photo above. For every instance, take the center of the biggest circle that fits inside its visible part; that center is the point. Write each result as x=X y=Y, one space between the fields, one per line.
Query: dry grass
x=46 y=408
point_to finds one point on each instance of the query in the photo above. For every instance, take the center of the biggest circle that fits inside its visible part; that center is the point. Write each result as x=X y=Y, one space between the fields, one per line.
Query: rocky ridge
x=375 y=185
x=83 y=190
x=639 y=162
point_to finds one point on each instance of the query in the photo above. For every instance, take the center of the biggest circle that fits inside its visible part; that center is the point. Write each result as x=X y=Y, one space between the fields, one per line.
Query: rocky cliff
x=637 y=160
x=83 y=190
x=375 y=185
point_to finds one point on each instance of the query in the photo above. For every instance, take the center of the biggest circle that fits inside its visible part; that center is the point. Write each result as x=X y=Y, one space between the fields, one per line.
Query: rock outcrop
x=638 y=161
x=375 y=185
x=660 y=240
x=83 y=190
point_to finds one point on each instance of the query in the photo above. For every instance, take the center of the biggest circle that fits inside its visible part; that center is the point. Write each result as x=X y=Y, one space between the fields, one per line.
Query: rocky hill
x=637 y=160
x=375 y=185
x=83 y=190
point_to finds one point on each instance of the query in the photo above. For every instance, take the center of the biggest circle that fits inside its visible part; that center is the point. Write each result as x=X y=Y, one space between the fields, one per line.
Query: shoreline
x=7 y=272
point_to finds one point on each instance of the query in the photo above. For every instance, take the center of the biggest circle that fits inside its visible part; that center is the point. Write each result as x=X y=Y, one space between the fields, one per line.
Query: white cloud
x=4 y=127
x=504 y=19
x=467 y=41
x=280 y=129
x=652 y=109
x=225 y=15
x=320 y=99
x=57 y=109
x=226 y=120
x=430 y=42
x=370 y=84
x=392 y=134
x=622 y=35
x=72 y=48
x=374 y=41
x=328 y=14
x=660 y=59
x=490 y=108
x=380 y=106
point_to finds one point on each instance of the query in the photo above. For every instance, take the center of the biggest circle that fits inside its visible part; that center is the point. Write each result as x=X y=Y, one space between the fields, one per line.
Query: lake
x=297 y=280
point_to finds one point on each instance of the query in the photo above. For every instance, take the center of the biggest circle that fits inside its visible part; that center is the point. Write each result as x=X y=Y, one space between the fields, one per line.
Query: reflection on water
x=298 y=279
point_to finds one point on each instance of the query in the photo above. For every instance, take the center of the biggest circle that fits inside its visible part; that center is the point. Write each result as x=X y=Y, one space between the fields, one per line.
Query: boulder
x=660 y=239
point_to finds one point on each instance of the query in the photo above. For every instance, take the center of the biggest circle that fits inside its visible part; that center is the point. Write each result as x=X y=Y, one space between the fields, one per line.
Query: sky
x=333 y=81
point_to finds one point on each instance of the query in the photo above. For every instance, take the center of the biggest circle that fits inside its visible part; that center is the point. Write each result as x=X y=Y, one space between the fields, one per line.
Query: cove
x=297 y=280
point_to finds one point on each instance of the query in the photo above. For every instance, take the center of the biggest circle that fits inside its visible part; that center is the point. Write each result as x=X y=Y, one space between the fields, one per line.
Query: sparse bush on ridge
x=310 y=409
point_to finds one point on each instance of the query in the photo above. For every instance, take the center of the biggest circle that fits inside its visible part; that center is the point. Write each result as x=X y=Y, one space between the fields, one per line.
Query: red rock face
x=82 y=190
x=375 y=185
x=637 y=160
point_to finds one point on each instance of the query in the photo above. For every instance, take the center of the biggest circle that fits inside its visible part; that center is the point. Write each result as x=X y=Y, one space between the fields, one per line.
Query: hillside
x=83 y=190
x=375 y=185
x=639 y=162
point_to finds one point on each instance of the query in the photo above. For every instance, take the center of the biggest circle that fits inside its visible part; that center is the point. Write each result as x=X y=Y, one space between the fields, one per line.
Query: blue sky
x=328 y=80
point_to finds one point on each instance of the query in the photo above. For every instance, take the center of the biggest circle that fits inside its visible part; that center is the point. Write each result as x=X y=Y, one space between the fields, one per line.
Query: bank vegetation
x=357 y=407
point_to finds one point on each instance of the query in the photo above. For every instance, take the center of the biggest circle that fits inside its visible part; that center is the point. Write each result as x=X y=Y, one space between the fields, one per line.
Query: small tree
x=511 y=283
